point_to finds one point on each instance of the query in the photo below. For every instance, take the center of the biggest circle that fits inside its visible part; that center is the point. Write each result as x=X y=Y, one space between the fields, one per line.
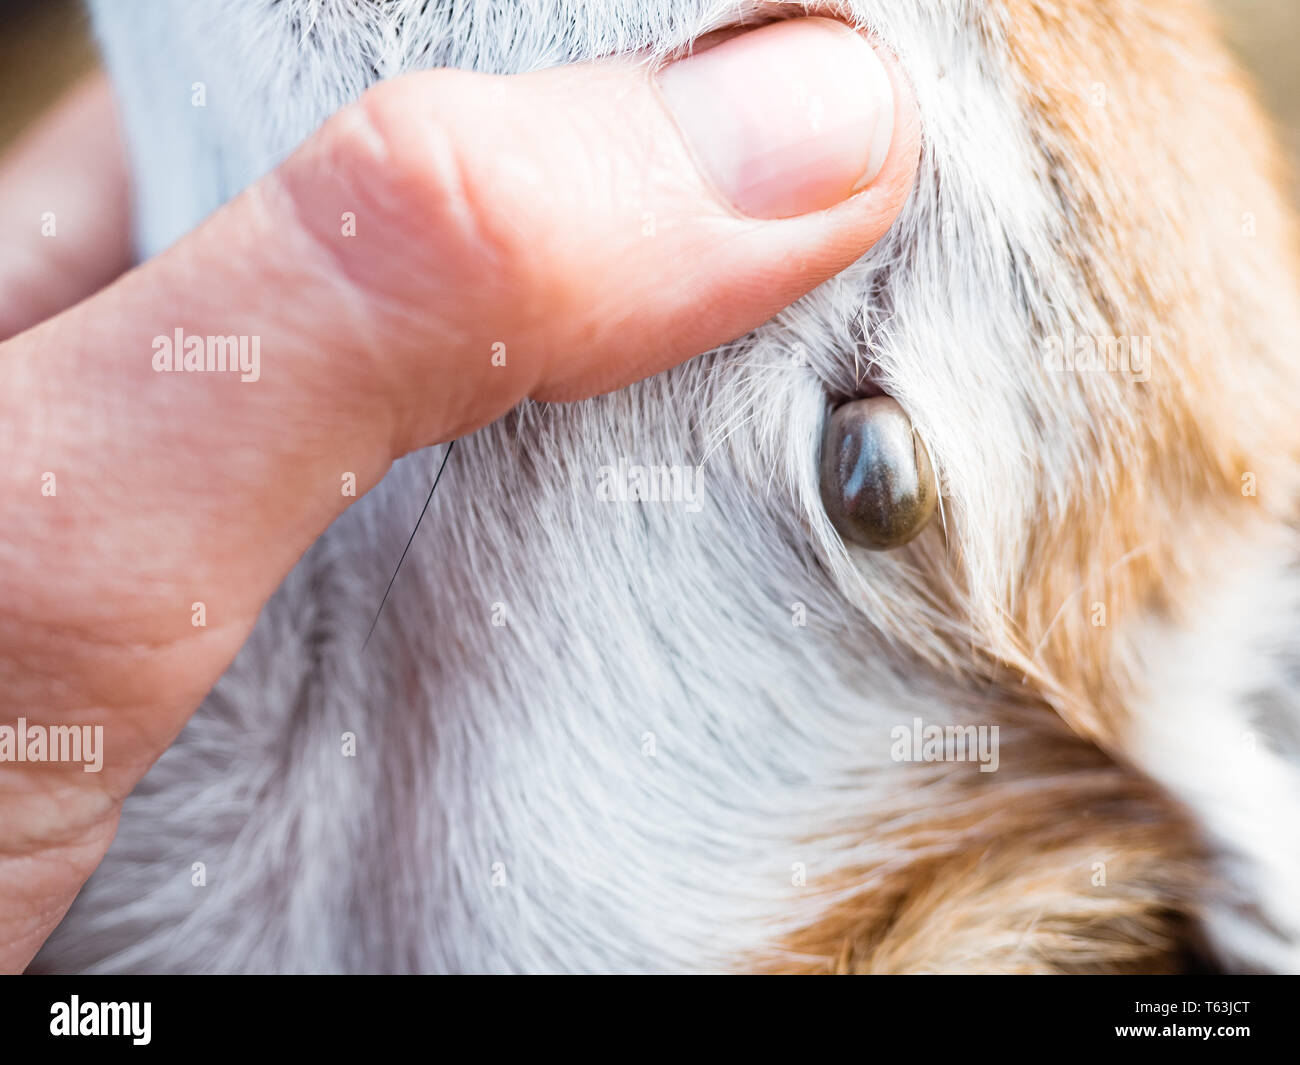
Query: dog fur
x=650 y=766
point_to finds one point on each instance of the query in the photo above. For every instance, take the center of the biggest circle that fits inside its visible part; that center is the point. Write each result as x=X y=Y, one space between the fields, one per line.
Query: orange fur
x=1155 y=185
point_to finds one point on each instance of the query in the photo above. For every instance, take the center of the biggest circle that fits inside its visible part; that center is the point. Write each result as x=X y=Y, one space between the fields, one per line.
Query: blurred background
x=45 y=45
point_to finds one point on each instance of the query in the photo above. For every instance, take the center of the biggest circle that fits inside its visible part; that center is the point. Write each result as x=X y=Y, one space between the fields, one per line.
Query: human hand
x=435 y=253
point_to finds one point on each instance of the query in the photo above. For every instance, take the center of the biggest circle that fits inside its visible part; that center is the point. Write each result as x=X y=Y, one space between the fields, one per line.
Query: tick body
x=877 y=483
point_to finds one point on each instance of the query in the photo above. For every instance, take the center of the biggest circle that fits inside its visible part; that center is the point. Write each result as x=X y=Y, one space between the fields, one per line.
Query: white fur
x=523 y=744
x=1220 y=726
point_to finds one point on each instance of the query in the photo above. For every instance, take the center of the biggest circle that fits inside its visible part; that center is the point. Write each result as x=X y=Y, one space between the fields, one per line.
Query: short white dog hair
x=596 y=736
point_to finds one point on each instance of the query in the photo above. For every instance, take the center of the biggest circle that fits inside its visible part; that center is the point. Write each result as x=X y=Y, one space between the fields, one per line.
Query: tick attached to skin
x=877 y=483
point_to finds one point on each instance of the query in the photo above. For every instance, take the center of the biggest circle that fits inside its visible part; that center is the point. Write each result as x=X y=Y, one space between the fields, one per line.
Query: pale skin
x=487 y=211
